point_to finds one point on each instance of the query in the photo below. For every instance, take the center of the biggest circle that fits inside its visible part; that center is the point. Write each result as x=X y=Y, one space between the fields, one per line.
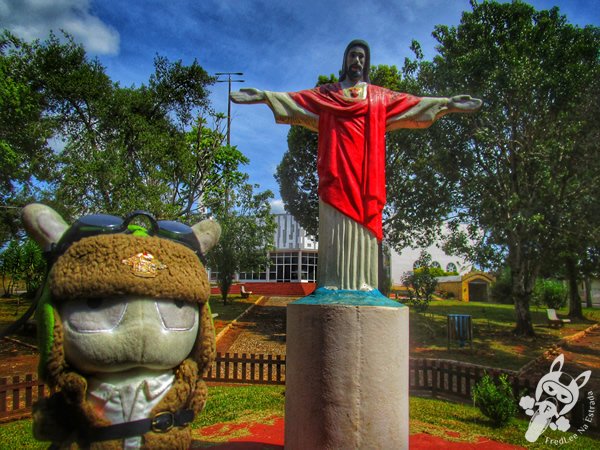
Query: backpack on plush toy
x=124 y=328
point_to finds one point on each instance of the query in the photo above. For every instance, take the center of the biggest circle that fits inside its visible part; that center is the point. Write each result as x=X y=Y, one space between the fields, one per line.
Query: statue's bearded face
x=355 y=63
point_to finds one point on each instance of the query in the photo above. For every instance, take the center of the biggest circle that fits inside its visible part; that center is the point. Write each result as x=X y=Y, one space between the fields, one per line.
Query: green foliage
x=33 y=266
x=248 y=230
x=22 y=262
x=495 y=401
x=9 y=266
x=524 y=170
x=421 y=283
x=24 y=130
x=123 y=148
x=551 y=293
x=439 y=272
x=501 y=288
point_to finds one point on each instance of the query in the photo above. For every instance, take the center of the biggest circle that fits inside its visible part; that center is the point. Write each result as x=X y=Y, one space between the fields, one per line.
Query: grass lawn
x=11 y=308
x=456 y=422
x=493 y=342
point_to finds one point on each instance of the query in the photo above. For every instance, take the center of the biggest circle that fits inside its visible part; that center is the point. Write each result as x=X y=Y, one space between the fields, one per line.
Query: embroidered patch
x=144 y=265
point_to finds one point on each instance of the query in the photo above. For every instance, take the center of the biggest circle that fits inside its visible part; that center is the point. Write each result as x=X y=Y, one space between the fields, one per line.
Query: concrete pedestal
x=346 y=372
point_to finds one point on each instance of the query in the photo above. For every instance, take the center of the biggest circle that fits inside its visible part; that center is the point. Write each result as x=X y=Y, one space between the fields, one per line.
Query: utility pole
x=229 y=81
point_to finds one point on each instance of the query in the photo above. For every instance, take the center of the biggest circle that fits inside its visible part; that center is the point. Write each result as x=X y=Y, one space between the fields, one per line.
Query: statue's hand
x=464 y=103
x=248 y=95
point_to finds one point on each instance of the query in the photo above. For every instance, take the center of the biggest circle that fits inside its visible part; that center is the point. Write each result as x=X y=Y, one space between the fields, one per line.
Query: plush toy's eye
x=93 y=315
x=177 y=315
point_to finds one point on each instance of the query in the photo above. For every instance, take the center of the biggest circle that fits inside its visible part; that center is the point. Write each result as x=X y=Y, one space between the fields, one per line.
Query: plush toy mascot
x=125 y=329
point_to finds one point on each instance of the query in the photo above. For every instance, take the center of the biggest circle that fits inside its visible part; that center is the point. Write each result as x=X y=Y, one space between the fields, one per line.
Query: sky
x=279 y=45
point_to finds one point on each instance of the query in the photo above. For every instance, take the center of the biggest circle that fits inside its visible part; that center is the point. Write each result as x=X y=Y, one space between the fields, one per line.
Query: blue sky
x=279 y=45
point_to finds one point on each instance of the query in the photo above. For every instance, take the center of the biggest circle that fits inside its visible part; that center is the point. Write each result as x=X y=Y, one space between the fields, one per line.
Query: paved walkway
x=262 y=330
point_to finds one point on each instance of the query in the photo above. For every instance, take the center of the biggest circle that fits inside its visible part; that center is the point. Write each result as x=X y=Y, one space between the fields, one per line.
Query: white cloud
x=34 y=19
x=277 y=207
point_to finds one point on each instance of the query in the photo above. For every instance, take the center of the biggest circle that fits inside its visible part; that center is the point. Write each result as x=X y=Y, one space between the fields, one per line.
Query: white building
x=294 y=258
x=404 y=262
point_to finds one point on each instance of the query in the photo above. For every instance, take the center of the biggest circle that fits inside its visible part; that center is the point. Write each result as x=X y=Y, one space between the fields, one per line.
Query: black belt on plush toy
x=160 y=423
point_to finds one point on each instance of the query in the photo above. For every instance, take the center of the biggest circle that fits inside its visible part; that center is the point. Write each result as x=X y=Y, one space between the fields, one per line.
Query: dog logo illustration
x=555 y=395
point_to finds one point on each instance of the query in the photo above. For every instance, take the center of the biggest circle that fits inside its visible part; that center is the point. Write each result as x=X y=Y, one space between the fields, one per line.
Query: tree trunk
x=588 y=291
x=524 y=325
x=224 y=285
x=575 y=311
x=522 y=281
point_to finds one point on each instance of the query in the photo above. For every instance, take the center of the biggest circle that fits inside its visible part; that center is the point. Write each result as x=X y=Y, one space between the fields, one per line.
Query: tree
x=25 y=156
x=123 y=148
x=248 y=230
x=21 y=262
x=24 y=152
x=10 y=259
x=421 y=283
x=516 y=171
x=32 y=266
x=133 y=150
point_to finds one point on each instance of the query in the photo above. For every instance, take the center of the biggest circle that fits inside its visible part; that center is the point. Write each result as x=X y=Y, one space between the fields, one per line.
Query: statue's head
x=357 y=61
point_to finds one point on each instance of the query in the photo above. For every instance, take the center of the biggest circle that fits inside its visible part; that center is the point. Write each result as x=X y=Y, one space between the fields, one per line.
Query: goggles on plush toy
x=96 y=224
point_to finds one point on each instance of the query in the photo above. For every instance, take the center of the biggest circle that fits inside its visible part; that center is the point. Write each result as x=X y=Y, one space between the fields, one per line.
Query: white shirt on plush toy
x=128 y=401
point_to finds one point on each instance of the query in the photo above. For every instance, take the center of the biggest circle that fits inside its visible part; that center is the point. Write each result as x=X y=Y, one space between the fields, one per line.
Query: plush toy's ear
x=208 y=233
x=43 y=224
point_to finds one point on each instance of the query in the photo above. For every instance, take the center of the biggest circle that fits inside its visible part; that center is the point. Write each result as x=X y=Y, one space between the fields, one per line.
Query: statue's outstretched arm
x=464 y=104
x=429 y=109
x=284 y=108
x=248 y=95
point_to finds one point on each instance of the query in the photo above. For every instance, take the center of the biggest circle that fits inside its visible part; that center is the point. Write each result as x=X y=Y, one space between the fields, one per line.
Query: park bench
x=244 y=293
x=554 y=320
x=460 y=329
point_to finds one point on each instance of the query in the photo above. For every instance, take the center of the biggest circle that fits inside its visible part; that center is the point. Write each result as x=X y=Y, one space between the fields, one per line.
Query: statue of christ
x=351 y=118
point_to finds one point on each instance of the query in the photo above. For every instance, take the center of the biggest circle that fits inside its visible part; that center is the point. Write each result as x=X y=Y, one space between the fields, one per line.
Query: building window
x=451 y=267
x=309 y=267
x=436 y=264
x=284 y=267
x=213 y=275
x=253 y=276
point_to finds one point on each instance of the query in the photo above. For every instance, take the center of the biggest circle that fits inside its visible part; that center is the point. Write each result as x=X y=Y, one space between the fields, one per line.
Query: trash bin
x=460 y=329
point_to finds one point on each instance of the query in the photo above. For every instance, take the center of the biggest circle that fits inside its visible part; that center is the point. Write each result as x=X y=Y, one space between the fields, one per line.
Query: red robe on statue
x=351 y=154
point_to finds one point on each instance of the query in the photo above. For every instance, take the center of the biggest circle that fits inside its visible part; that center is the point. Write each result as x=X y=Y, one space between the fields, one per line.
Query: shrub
x=551 y=293
x=420 y=283
x=495 y=401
